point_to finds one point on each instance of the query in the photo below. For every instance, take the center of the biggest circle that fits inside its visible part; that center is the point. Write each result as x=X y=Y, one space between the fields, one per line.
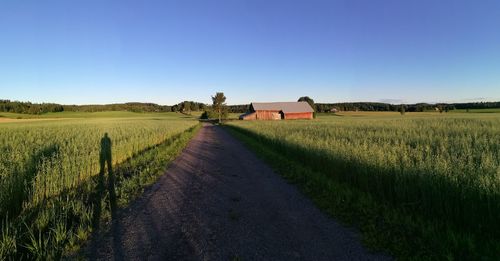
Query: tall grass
x=48 y=176
x=445 y=169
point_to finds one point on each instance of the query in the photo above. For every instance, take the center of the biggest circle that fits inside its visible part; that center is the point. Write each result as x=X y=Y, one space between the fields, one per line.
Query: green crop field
x=49 y=169
x=421 y=185
x=425 y=185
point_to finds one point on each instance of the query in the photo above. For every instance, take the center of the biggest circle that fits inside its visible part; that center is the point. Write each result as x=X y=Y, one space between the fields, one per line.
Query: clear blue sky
x=80 y=52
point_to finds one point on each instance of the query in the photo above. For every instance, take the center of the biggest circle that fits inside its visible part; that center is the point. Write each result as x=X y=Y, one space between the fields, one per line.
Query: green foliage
x=49 y=175
x=418 y=107
x=238 y=108
x=28 y=107
x=40 y=108
x=8 y=240
x=186 y=107
x=210 y=114
x=423 y=186
x=308 y=100
x=219 y=104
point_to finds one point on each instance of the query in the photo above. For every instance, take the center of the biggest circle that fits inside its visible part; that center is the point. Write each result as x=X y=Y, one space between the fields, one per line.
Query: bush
x=209 y=114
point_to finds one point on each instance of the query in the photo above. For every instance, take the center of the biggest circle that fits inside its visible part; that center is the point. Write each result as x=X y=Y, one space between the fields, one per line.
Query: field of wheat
x=48 y=171
x=435 y=166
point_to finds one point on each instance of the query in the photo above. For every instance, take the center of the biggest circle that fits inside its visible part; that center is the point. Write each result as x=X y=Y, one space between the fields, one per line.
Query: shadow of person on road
x=105 y=161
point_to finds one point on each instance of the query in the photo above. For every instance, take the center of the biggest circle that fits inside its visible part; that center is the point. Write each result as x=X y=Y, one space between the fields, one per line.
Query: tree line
x=40 y=108
x=379 y=106
x=190 y=106
x=418 y=107
x=28 y=107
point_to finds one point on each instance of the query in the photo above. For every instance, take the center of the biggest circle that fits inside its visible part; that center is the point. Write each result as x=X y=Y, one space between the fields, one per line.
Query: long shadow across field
x=105 y=163
x=433 y=197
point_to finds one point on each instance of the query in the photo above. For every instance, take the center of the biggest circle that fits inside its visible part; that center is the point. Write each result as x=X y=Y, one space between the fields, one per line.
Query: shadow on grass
x=62 y=222
x=426 y=214
x=20 y=184
x=105 y=163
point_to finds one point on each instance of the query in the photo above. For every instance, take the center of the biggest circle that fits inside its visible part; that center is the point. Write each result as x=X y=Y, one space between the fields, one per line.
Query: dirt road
x=218 y=201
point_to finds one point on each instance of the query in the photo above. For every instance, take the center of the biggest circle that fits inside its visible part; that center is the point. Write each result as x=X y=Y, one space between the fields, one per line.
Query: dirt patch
x=218 y=201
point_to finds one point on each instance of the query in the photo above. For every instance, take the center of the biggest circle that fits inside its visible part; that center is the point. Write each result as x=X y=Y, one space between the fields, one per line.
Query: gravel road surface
x=218 y=201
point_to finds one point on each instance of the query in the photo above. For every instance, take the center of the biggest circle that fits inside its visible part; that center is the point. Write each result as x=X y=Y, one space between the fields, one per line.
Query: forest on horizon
x=40 y=108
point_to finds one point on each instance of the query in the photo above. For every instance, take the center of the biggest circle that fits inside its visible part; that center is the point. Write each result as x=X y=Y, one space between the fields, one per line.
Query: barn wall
x=275 y=115
x=251 y=116
x=267 y=115
x=300 y=115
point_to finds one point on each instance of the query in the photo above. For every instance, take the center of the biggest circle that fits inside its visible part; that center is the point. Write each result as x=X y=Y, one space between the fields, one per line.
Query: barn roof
x=286 y=107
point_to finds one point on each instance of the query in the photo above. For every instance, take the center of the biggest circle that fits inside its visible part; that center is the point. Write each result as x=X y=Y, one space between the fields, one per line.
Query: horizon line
x=476 y=100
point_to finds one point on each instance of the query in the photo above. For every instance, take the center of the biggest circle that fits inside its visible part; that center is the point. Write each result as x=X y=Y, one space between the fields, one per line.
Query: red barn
x=278 y=111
